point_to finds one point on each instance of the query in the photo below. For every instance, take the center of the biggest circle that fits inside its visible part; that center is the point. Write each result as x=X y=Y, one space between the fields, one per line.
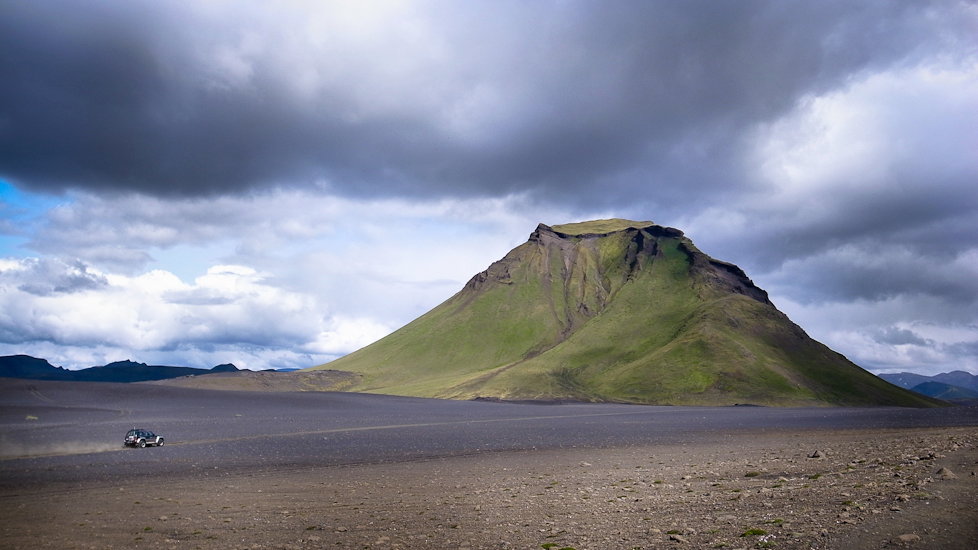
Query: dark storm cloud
x=574 y=101
x=905 y=237
x=964 y=349
x=877 y=275
x=46 y=277
x=900 y=336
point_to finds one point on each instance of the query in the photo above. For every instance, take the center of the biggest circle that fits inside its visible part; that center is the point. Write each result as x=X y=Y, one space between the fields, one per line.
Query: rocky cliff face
x=614 y=310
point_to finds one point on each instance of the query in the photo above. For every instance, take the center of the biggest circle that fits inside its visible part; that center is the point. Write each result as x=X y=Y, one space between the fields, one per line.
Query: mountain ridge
x=946 y=392
x=33 y=368
x=957 y=378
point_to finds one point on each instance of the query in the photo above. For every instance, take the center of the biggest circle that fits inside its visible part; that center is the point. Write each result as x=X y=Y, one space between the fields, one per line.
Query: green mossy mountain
x=617 y=311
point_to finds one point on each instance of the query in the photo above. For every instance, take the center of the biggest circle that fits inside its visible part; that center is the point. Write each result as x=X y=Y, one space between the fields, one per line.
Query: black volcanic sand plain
x=340 y=470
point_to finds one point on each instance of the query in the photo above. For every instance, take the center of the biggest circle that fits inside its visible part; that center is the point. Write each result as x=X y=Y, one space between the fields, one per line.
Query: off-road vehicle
x=138 y=437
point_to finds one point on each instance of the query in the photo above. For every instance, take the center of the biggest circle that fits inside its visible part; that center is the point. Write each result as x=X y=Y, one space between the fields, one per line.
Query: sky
x=278 y=184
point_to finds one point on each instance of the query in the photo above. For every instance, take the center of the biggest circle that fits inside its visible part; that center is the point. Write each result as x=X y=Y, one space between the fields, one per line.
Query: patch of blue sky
x=189 y=261
x=20 y=212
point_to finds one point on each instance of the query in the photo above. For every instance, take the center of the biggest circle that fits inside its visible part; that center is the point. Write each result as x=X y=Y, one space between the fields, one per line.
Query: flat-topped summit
x=596 y=227
x=614 y=310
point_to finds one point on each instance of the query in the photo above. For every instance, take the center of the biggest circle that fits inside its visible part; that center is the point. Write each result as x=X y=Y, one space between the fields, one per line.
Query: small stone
x=678 y=538
x=944 y=473
x=817 y=454
x=908 y=538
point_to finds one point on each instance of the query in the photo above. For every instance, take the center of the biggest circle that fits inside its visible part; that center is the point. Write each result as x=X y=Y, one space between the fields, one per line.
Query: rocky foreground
x=910 y=488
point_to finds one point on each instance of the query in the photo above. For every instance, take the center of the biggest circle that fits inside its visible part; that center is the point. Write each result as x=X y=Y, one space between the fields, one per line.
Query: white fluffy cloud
x=284 y=279
x=891 y=133
x=221 y=315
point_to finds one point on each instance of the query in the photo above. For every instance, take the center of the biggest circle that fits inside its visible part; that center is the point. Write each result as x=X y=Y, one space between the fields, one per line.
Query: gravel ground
x=818 y=489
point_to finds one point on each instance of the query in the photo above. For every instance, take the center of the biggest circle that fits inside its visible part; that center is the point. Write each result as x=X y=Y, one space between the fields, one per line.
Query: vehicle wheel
x=142 y=443
x=160 y=443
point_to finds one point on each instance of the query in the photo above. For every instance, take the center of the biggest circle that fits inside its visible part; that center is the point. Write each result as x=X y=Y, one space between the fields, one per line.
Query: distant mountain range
x=25 y=366
x=952 y=386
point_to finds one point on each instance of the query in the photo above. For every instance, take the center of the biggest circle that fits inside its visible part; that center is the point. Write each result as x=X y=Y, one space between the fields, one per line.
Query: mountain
x=226 y=367
x=905 y=379
x=130 y=371
x=620 y=311
x=25 y=366
x=945 y=392
x=958 y=378
x=954 y=378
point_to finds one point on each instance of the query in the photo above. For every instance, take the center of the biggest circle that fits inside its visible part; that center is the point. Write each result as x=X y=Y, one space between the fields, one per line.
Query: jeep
x=138 y=437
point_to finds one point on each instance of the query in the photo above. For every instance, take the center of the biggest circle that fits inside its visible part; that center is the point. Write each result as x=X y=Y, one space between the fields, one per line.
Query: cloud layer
x=424 y=99
x=356 y=163
x=230 y=310
x=284 y=279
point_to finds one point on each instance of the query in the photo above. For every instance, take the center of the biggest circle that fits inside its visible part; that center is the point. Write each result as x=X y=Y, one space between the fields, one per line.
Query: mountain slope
x=614 y=310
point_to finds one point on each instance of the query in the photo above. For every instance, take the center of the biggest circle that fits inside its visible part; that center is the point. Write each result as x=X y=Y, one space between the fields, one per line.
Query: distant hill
x=957 y=378
x=905 y=379
x=25 y=366
x=620 y=311
x=946 y=392
x=226 y=367
x=957 y=387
